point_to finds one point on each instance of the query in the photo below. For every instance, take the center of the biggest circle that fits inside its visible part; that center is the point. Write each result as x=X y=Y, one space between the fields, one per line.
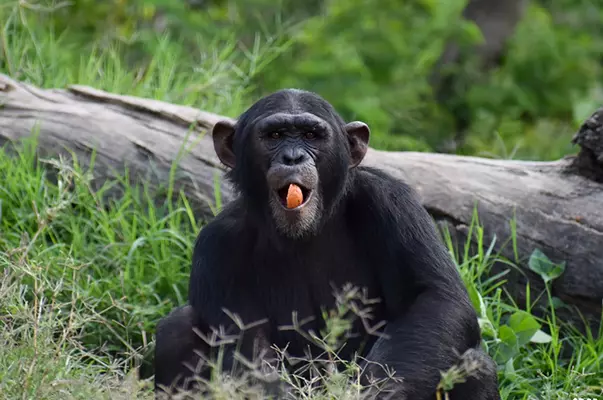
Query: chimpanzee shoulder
x=377 y=194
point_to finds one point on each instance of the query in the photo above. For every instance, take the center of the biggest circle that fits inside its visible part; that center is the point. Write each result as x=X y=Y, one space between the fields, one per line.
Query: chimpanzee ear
x=358 y=137
x=222 y=134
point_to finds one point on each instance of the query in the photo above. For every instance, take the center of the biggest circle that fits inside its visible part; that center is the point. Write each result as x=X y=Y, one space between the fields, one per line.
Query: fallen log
x=557 y=206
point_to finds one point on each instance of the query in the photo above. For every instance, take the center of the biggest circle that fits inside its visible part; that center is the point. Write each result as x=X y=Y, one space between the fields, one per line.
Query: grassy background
x=85 y=280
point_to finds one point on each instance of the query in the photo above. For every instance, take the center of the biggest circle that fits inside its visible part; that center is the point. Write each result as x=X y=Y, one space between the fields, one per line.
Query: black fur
x=368 y=229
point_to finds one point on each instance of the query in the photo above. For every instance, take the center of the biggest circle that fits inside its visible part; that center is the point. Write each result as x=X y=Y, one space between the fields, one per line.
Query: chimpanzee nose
x=293 y=156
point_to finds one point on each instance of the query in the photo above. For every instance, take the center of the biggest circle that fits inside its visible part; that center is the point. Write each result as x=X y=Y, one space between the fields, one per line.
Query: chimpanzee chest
x=305 y=288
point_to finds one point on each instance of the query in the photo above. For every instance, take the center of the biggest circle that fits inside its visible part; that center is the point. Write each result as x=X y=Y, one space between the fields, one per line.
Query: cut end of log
x=589 y=161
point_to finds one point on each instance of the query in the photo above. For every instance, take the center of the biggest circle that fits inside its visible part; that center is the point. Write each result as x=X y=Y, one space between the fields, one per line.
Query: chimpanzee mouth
x=293 y=196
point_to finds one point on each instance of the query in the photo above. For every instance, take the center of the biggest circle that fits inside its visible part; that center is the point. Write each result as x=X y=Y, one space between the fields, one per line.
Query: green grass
x=42 y=319
x=85 y=279
x=218 y=77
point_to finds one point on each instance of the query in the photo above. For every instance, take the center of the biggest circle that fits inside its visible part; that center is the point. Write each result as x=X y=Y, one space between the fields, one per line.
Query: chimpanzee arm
x=219 y=282
x=430 y=316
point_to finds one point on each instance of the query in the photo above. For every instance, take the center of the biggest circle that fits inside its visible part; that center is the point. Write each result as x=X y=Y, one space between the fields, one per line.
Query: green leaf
x=510 y=370
x=558 y=270
x=544 y=267
x=486 y=327
x=557 y=303
x=541 y=337
x=476 y=300
x=524 y=325
x=508 y=344
x=471 y=33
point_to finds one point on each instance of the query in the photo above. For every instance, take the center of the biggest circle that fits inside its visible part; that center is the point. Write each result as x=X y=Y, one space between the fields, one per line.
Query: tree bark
x=557 y=205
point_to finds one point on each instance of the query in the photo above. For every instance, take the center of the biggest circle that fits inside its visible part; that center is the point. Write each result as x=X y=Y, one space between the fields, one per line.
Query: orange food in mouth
x=295 y=196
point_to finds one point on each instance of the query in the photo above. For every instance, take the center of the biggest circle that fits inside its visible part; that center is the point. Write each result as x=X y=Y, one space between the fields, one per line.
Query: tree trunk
x=558 y=205
x=496 y=21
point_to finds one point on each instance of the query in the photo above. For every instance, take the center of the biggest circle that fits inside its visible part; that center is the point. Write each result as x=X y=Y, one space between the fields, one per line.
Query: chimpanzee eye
x=310 y=135
x=275 y=135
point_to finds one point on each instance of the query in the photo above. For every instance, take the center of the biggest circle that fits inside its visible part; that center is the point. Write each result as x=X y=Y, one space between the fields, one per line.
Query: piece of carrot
x=294 y=196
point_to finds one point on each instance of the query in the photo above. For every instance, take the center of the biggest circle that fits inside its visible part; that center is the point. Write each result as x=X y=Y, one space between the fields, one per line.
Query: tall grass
x=214 y=73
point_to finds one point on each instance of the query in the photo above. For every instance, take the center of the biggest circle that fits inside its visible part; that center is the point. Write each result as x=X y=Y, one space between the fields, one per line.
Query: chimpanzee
x=269 y=253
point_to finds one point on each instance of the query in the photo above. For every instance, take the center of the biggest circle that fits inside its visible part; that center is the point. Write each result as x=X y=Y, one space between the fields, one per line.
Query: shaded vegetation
x=372 y=62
